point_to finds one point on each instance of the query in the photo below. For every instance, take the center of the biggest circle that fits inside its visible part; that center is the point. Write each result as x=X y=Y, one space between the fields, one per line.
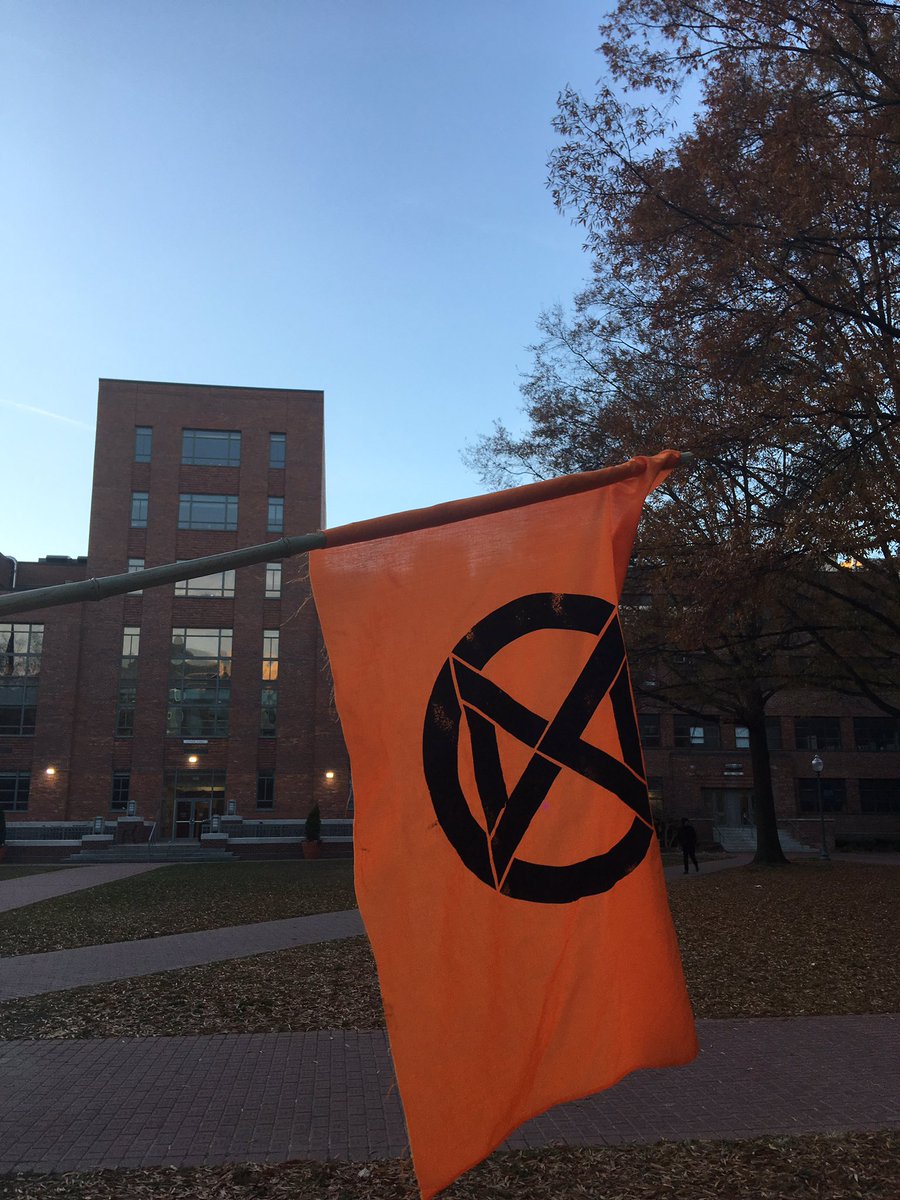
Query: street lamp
x=818 y=766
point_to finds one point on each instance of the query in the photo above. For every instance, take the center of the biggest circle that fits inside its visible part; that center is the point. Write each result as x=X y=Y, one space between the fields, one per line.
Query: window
x=697 y=732
x=879 y=795
x=277 y=448
x=265 y=789
x=14 y=789
x=140 y=504
x=276 y=514
x=273 y=580
x=127 y=698
x=269 y=703
x=773 y=735
x=876 y=733
x=135 y=564
x=143 y=443
x=199 y=683
x=210 y=448
x=817 y=733
x=834 y=795
x=648 y=727
x=121 y=785
x=197 y=511
x=218 y=585
x=20 y=669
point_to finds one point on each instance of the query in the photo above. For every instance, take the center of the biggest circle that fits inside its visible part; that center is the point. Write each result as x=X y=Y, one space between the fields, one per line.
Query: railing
x=61 y=831
x=332 y=830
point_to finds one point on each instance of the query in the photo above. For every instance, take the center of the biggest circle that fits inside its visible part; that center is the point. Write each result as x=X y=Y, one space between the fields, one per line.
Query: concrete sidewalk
x=31 y=889
x=79 y=1106
x=34 y=974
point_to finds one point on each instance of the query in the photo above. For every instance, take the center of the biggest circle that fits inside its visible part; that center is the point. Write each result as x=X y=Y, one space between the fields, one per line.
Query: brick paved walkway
x=77 y=1106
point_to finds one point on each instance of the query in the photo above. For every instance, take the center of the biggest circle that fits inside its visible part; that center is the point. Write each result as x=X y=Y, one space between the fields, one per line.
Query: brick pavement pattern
x=83 y=1105
x=34 y=974
x=31 y=889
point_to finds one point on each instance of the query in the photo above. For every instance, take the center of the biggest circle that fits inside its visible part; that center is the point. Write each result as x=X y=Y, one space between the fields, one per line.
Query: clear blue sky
x=338 y=194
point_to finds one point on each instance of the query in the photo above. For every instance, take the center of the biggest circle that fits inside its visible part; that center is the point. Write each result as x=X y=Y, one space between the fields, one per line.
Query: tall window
x=648 y=727
x=817 y=733
x=121 y=786
x=265 y=789
x=143 y=443
x=210 y=448
x=834 y=795
x=140 y=506
x=697 y=732
x=879 y=795
x=277 y=448
x=131 y=644
x=200 y=511
x=876 y=733
x=14 y=789
x=269 y=708
x=276 y=514
x=135 y=564
x=273 y=580
x=199 y=683
x=20 y=669
x=219 y=585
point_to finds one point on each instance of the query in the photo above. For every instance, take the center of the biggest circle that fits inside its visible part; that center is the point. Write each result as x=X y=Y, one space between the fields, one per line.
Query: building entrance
x=192 y=797
x=730 y=806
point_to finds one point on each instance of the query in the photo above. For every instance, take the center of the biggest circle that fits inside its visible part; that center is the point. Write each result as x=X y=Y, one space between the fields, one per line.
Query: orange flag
x=506 y=866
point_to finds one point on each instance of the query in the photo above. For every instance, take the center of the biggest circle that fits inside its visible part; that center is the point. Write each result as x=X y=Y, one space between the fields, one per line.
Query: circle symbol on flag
x=463 y=691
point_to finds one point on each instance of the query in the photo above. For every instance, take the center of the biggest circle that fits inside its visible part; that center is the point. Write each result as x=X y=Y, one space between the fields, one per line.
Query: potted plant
x=2 y=835
x=312 y=847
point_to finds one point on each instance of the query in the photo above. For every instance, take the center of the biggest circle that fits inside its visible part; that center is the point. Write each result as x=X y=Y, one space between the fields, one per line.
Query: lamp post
x=818 y=766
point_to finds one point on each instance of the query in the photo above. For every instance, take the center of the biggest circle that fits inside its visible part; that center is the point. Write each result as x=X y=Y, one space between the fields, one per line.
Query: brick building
x=179 y=699
x=700 y=768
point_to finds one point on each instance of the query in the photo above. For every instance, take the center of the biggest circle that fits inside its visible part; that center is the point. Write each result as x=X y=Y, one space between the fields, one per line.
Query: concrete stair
x=741 y=839
x=157 y=852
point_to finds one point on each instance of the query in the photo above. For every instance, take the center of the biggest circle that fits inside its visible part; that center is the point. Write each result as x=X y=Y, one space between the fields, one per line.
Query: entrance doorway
x=730 y=806
x=192 y=797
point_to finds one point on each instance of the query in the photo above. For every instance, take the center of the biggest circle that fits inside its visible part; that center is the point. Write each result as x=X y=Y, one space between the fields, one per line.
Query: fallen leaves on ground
x=179 y=899
x=849 y=1167
x=783 y=941
x=329 y=985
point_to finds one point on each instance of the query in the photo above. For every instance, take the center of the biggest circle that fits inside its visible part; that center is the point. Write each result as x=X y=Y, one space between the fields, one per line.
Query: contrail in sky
x=43 y=412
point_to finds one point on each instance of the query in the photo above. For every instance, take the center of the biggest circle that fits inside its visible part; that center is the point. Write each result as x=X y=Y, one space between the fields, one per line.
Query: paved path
x=30 y=889
x=82 y=1105
x=34 y=974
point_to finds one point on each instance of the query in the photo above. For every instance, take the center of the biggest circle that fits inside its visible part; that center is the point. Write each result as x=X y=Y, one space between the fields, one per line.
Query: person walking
x=687 y=840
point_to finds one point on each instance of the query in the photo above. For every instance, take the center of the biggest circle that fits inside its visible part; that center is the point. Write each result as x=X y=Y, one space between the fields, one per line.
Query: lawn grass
x=848 y=1167
x=813 y=939
x=179 y=899
x=15 y=872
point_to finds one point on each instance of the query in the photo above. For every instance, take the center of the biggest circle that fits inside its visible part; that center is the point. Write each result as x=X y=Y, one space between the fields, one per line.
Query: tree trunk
x=768 y=847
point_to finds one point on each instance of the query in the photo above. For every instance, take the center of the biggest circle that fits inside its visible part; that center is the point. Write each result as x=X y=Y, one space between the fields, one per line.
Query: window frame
x=189 y=501
x=280 y=440
x=140 y=510
x=191 y=439
x=143 y=443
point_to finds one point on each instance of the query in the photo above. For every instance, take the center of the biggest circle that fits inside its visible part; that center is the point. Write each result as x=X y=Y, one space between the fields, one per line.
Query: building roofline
x=218 y=387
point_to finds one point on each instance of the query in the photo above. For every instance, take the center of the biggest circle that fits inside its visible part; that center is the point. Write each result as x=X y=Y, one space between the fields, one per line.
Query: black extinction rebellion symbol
x=557 y=744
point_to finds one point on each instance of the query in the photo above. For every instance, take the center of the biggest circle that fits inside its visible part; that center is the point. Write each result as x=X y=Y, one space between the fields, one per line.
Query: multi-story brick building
x=700 y=768
x=181 y=698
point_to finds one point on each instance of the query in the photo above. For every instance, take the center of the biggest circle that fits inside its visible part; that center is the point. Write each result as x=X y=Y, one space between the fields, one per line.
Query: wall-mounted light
x=50 y=771
x=329 y=775
x=192 y=758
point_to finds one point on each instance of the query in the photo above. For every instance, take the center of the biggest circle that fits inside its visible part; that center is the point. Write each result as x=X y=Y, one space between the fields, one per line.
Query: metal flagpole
x=286 y=547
